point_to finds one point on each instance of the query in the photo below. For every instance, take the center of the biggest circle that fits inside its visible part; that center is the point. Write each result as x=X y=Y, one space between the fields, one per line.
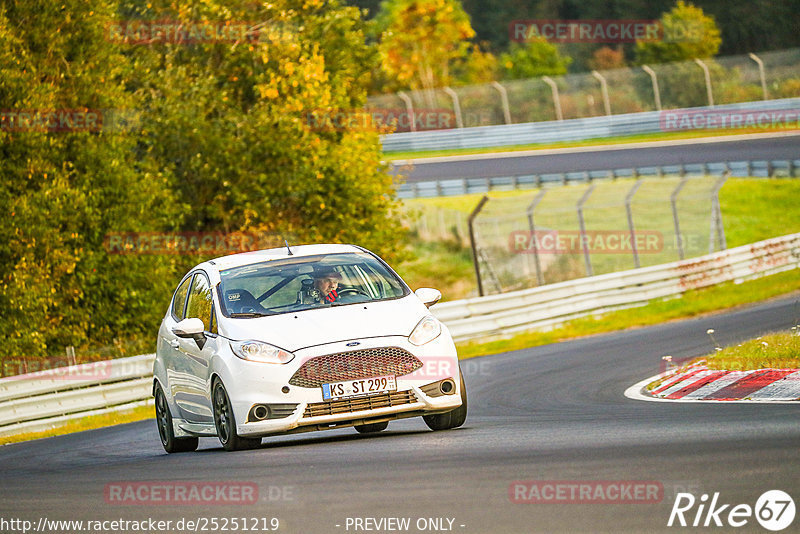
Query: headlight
x=426 y=330
x=257 y=351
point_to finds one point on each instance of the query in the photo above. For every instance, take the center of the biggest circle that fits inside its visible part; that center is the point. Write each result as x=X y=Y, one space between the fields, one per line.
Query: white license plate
x=359 y=387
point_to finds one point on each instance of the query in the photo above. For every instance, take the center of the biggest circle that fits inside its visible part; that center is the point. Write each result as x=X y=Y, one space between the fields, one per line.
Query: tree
x=688 y=34
x=223 y=142
x=66 y=186
x=234 y=128
x=606 y=58
x=532 y=59
x=480 y=66
x=420 y=41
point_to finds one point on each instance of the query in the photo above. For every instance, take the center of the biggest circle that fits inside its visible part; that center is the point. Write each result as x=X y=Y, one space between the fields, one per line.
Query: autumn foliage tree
x=66 y=186
x=533 y=58
x=688 y=33
x=420 y=41
x=607 y=58
x=222 y=142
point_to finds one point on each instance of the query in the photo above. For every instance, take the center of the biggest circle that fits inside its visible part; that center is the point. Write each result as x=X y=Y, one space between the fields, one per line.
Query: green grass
x=752 y=209
x=772 y=351
x=691 y=304
x=87 y=423
x=447 y=266
x=641 y=138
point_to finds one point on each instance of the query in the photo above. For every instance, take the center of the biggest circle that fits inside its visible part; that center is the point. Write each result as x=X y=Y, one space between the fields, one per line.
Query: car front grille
x=384 y=400
x=353 y=365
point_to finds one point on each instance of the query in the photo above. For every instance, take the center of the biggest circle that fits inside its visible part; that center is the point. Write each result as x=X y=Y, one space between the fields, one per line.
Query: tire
x=452 y=419
x=225 y=422
x=165 y=431
x=371 y=427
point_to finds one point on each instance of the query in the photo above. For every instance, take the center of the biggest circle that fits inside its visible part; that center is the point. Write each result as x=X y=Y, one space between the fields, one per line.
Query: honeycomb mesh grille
x=384 y=400
x=353 y=365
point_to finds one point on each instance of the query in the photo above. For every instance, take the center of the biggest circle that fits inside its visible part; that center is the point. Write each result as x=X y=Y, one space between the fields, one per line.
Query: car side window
x=200 y=302
x=179 y=301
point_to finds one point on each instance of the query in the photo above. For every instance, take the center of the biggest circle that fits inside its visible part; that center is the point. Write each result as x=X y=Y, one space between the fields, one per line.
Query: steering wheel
x=354 y=290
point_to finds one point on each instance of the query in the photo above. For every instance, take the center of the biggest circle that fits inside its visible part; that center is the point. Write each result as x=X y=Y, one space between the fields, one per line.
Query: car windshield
x=291 y=285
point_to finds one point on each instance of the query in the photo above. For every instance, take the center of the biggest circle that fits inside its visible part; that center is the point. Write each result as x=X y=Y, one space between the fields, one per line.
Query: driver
x=326 y=281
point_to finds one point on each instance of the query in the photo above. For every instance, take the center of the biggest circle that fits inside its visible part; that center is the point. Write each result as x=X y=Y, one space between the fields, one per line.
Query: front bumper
x=255 y=384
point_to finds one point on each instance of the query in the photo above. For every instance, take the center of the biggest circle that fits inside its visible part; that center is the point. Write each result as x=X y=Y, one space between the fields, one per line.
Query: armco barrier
x=43 y=400
x=550 y=305
x=466 y=186
x=555 y=131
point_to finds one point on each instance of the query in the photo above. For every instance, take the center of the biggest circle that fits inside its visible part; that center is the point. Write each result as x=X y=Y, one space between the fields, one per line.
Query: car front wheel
x=453 y=418
x=165 y=430
x=226 y=423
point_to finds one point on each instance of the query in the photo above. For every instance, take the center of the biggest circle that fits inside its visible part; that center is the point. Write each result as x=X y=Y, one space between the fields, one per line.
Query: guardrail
x=46 y=399
x=565 y=130
x=553 y=304
x=465 y=186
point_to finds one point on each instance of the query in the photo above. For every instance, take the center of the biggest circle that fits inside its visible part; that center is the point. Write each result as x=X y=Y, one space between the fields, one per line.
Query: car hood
x=299 y=330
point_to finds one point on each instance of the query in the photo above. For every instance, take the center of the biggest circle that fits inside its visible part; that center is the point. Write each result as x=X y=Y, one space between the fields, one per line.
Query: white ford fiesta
x=296 y=339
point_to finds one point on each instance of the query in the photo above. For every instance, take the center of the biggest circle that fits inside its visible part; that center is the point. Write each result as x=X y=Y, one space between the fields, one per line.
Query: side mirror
x=428 y=295
x=191 y=328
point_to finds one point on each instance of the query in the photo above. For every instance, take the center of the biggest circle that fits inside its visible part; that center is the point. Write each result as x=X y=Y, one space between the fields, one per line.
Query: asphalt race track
x=553 y=413
x=604 y=158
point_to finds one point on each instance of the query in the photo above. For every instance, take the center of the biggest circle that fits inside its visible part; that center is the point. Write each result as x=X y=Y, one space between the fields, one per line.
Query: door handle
x=174 y=344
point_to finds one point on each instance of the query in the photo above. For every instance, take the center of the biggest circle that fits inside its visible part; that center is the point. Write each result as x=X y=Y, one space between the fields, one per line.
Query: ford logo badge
x=353 y=344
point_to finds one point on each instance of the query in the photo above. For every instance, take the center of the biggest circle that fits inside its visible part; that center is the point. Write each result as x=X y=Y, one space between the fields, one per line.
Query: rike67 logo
x=774 y=510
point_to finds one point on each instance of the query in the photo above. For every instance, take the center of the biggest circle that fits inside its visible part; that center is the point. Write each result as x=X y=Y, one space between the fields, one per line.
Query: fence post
x=532 y=228
x=474 y=246
x=456 y=106
x=707 y=75
x=409 y=109
x=603 y=91
x=582 y=225
x=504 y=100
x=761 y=74
x=556 y=100
x=654 y=80
x=71 y=360
x=673 y=199
x=628 y=211
x=717 y=232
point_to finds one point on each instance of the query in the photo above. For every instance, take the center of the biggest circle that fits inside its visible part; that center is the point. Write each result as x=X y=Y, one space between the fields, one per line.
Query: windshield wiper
x=250 y=314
